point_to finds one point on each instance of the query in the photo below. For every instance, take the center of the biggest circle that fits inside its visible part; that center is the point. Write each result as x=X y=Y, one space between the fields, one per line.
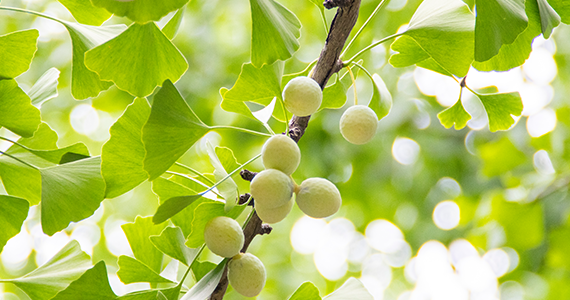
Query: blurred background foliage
x=510 y=188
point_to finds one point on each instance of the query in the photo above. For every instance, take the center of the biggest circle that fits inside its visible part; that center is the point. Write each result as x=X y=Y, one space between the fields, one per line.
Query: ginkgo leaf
x=170 y=131
x=171 y=28
x=381 y=102
x=203 y=288
x=501 y=108
x=138 y=234
x=275 y=31
x=12 y=215
x=549 y=19
x=123 y=154
x=454 y=115
x=228 y=188
x=204 y=213
x=307 y=291
x=171 y=242
x=202 y=268
x=352 y=288
x=70 y=192
x=85 y=12
x=45 y=87
x=562 y=8
x=92 y=285
x=172 y=206
x=137 y=60
x=141 y=11
x=17 y=50
x=132 y=270
x=497 y=23
x=55 y=275
x=16 y=110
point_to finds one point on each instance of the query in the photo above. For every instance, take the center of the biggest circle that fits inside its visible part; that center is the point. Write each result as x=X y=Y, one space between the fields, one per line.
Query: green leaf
x=501 y=108
x=307 y=291
x=171 y=28
x=133 y=270
x=56 y=156
x=500 y=157
x=228 y=188
x=143 y=295
x=55 y=275
x=515 y=54
x=137 y=60
x=17 y=50
x=497 y=23
x=170 y=131
x=352 y=288
x=523 y=223
x=123 y=154
x=411 y=53
x=171 y=242
x=138 y=234
x=444 y=30
x=12 y=215
x=334 y=95
x=201 y=269
x=70 y=193
x=84 y=12
x=204 y=212
x=562 y=7
x=227 y=158
x=140 y=11
x=381 y=102
x=203 y=288
x=92 y=285
x=84 y=82
x=16 y=110
x=45 y=87
x=549 y=19
x=454 y=115
x=274 y=33
x=173 y=206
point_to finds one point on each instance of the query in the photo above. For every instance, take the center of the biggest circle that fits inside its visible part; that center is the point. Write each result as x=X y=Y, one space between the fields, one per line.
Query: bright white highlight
x=84 y=119
x=541 y=123
x=306 y=233
x=542 y=163
x=540 y=67
x=384 y=236
x=430 y=83
x=405 y=151
x=498 y=260
x=332 y=252
x=446 y=215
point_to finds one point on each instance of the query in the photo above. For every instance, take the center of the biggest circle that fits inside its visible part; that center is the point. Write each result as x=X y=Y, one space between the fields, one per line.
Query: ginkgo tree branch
x=327 y=64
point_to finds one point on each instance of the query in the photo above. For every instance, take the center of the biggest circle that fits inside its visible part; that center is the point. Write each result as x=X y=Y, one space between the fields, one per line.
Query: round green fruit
x=273 y=215
x=223 y=236
x=282 y=153
x=318 y=198
x=246 y=274
x=358 y=124
x=302 y=96
x=271 y=188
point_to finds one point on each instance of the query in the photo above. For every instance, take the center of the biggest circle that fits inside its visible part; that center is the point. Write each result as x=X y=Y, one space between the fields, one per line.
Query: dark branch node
x=265 y=229
x=243 y=198
x=247 y=174
x=328 y=4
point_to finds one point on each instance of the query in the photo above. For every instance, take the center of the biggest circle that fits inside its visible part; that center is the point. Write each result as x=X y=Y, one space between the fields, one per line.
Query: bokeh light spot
x=446 y=215
x=405 y=151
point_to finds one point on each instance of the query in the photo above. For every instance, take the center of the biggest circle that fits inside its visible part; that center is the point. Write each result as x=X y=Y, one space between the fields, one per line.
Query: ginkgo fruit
x=302 y=96
x=318 y=198
x=358 y=124
x=271 y=188
x=223 y=236
x=246 y=274
x=282 y=153
x=273 y=215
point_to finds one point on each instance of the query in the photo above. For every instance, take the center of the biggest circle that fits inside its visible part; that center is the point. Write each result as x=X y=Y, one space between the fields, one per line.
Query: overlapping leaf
x=549 y=19
x=132 y=270
x=123 y=154
x=17 y=50
x=501 y=108
x=171 y=242
x=381 y=102
x=204 y=213
x=228 y=188
x=12 y=215
x=307 y=291
x=275 y=31
x=92 y=285
x=203 y=288
x=171 y=28
x=85 y=12
x=141 y=11
x=170 y=131
x=201 y=269
x=137 y=60
x=138 y=234
x=352 y=288
x=16 y=110
x=562 y=8
x=45 y=87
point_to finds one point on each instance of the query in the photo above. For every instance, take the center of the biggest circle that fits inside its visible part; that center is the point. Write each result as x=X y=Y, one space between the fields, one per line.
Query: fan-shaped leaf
x=16 y=110
x=17 y=50
x=12 y=215
x=141 y=11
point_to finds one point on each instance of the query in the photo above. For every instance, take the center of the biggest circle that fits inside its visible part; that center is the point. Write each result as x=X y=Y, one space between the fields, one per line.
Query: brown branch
x=328 y=64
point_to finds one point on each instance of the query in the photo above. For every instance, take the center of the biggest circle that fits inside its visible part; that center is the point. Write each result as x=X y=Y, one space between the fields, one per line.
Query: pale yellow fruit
x=282 y=153
x=223 y=236
x=318 y=198
x=358 y=124
x=302 y=96
x=271 y=188
x=273 y=215
x=246 y=274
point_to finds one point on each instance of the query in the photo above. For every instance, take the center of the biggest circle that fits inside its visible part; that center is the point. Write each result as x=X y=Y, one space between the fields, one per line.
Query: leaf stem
x=231 y=174
x=21 y=161
x=240 y=129
x=193 y=179
x=372 y=15
x=191 y=264
x=353 y=85
x=30 y=12
x=195 y=172
x=372 y=46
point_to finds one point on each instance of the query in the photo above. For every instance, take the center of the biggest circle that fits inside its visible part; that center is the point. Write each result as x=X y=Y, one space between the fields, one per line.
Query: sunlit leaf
x=204 y=213
x=16 y=110
x=70 y=192
x=123 y=154
x=171 y=242
x=171 y=28
x=500 y=157
x=352 y=288
x=201 y=269
x=549 y=19
x=227 y=158
x=381 y=101
x=92 y=285
x=203 y=288
x=228 y=188
x=497 y=23
x=275 y=31
x=132 y=270
x=55 y=275
x=137 y=60
x=57 y=155
x=84 y=12
x=138 y=234
x=264 y=114
x=172 y=206
x=17 y=50
x=170 y=131
x=523 y=222
x=501 y=108
x=12 y=215
x=454 y=115
x=45 y=87
x=140 y=11
x=334 y=95
x=307 y=291
x=562 y=8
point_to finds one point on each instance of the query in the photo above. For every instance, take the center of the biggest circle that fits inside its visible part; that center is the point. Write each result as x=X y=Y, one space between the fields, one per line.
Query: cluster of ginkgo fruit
x=273 y=189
